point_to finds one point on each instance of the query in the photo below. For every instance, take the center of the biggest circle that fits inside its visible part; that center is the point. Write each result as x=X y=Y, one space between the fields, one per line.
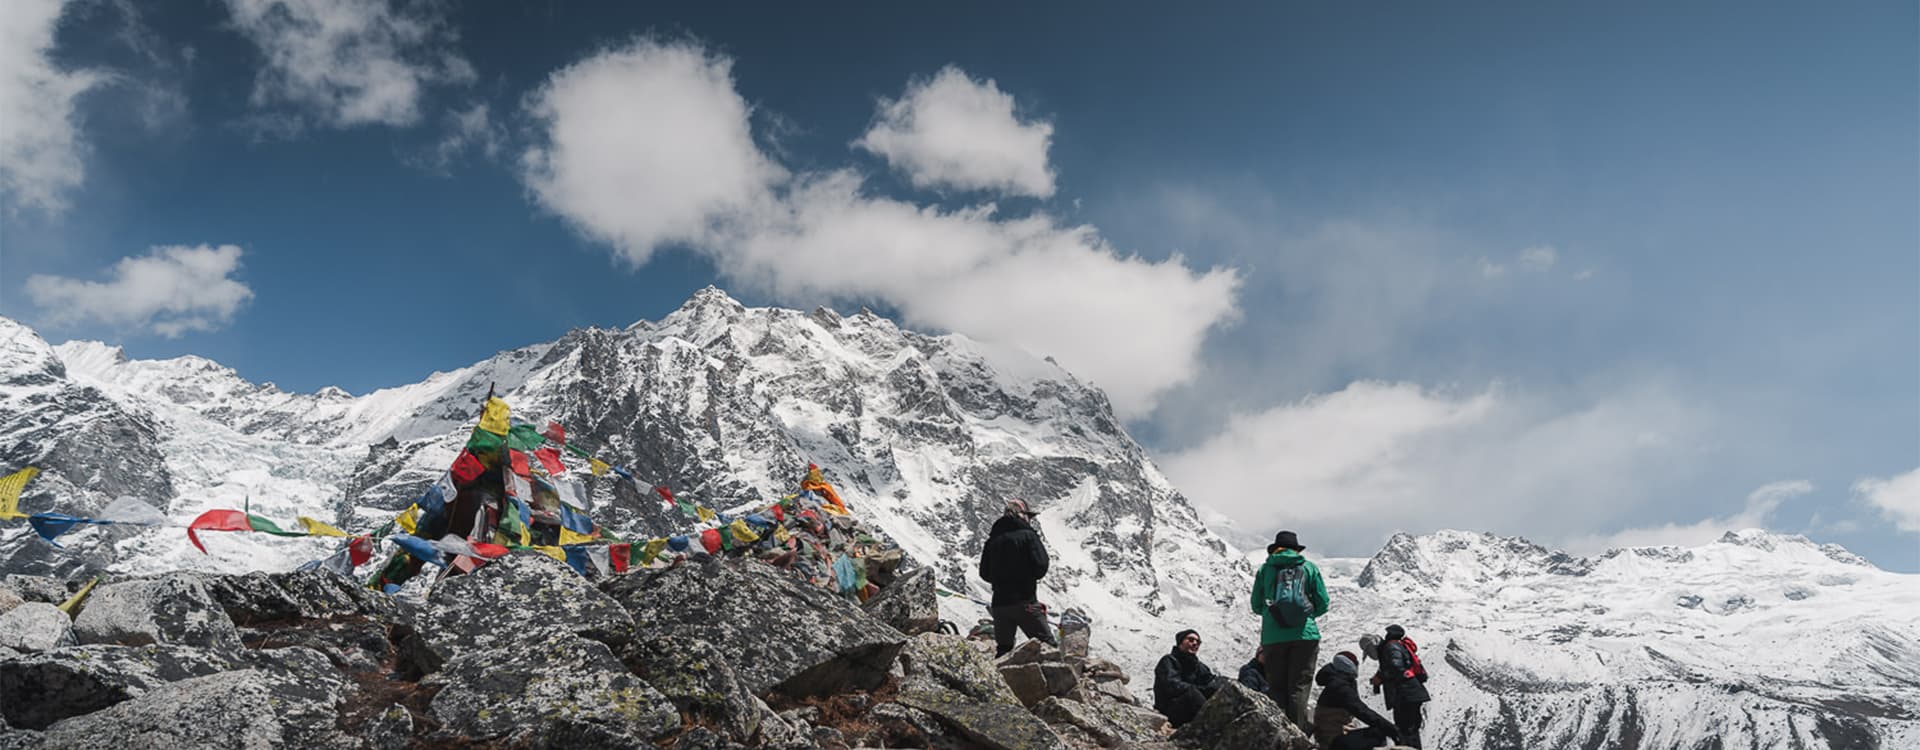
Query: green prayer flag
x=525 y=437
x=260 y=523
x=485 y=444
x=726 y=538
x=578 y=451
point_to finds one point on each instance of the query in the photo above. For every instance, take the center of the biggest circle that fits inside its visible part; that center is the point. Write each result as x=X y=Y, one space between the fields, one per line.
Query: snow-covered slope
x=1756 y=641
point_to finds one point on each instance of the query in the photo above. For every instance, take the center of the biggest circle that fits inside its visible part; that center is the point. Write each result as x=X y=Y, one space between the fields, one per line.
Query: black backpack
x=1288 y=605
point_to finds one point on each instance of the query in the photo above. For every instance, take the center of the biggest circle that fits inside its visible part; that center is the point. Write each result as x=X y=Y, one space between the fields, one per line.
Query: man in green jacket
x=1288 y=594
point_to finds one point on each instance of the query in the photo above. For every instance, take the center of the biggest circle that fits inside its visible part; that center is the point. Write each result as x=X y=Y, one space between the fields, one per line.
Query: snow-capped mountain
x=1758 y=640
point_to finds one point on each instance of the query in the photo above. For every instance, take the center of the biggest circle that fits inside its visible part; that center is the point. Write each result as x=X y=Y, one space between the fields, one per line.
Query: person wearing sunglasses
x=1181 y=682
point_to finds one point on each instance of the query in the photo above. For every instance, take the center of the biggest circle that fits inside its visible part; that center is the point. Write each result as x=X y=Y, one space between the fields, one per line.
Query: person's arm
x=1260 y=585
x=1318 y=591
x=986 y=563
x=1370 y=717
x=1394 y=661
x=1040 y=559
x=1167 y=680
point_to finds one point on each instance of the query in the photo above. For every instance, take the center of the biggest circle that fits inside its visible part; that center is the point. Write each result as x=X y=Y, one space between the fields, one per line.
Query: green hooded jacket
x=1273 y=632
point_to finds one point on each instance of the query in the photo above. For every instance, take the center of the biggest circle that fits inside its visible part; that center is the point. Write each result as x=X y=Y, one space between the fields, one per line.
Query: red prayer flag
x=710 y=539
x=217 y=520
x=550 y=459
x=555 y=433
x=466 y=468
x=519 y=463
x=360 y=550
x=665 y=494
x=619 y=553
x=778 y=514
x=489 y=551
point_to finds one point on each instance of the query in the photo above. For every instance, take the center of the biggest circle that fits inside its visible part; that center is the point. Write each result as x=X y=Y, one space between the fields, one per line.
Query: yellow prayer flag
x=408 y=518
x=743 y=533
x=321 y=528
x=73 y=602
x=493 y=418
x=598 y=466
x=553 y=552
x=10 y=487
x=704 y=513
x=654 y=546
x=781 y=534
x=569 y=536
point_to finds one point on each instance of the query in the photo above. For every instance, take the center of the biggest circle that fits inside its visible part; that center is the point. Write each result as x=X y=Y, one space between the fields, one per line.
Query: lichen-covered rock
x=35 y=626
x=1107 y=724
x=37 y=690
x=511 y=601
x=251 y=598
x=1027 y=681
x=173 y=609
x=9 y=600
x=1238 y=717
x=1029 y=652
x=697 y=678
x=325 y=594
x=961 y=687
x=781 y=633
x=391 y=730
x=35 y=588
x=352 y=644
x=909 y=604
x=249 y=708
x=559 y=690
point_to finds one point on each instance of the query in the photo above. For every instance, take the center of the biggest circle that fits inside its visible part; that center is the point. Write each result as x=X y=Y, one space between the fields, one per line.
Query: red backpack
x=1418 y=671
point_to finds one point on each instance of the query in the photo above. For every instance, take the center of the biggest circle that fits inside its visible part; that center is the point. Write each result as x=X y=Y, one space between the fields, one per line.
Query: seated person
x=1340 y=703
x=1181 y=684
x=1253 y=674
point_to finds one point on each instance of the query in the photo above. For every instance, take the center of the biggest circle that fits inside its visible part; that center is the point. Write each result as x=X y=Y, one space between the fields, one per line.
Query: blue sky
x=1594 y=275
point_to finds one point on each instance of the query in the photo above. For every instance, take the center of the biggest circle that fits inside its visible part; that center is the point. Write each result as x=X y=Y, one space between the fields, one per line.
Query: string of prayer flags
x=816 y=482
x=598 y=467
x=420 y=549
x=217 y=520
x=51 y=525
x=10 y=488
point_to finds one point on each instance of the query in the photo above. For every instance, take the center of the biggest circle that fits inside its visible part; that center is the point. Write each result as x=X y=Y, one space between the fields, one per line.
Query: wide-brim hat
x=1286 y=540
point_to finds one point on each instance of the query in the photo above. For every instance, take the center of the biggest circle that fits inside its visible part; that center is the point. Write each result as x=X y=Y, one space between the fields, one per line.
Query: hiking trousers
x=1029 y=618
x=1290 y=678
x=1407 y=717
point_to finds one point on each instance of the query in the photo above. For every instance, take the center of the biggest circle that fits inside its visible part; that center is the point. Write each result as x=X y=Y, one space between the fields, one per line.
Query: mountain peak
x=1457 y=557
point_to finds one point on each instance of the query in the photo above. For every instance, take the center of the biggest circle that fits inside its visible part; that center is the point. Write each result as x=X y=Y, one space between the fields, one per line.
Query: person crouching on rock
x=1013 y=561
x=1181 y=683
x=1340 y=703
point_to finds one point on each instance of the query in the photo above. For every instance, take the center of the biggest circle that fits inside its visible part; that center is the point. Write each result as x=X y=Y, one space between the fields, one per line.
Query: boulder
x=351 y=644
x=509 y=602
x=696 y=677
x=559 y=690
x=35 y=588
x=782 y=633
x=1238 y=717
x=37 y=690
x=1027 y=681
x=249 y=708
x=1107 y=724
x=173 y=609
x=324 y=594
x=35 y=626
x=9 y=600
x=909 y=604
x=391 y=730
x=251 y=598
x=947 y=678
x=1029 y=652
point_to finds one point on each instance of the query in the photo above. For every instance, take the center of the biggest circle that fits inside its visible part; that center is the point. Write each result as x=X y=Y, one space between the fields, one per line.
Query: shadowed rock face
x=782 y=633
x=511 y=601
x=558 y=690
x=1238 y=717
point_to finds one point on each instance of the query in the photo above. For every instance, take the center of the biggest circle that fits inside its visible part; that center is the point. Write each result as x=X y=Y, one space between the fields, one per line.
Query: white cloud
x=1374 y=458
x=646 y=145
x=1898 y=498
x=649 y=145
x=954 y=131
x=350 y=62
x=468 y=130
x=42 y=156
x=1490 y=269
x=1538 y=258
x=1757 y=513
x=171 y=290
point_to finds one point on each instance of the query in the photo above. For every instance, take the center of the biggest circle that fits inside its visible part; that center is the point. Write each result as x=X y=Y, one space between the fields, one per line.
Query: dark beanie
x=1182 y=635
x=1395 y=632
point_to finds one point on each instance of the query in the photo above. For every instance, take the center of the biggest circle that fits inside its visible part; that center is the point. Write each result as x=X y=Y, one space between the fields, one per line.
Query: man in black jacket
x=1253 y=674
x=1013 y=561
x=1181 y=683
x=1405 y=682
x=1340 y=703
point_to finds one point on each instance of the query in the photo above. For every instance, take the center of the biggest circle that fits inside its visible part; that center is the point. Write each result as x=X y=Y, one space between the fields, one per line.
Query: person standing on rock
x=1181 y=682
x=1288 y=594
x=1014 y=561
x=1405 y=681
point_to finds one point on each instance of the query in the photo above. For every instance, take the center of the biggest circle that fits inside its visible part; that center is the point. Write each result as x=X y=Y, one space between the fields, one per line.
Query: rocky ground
x=710 y=653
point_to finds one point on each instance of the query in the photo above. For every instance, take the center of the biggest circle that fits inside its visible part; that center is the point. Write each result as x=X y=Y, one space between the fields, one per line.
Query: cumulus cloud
x=170 y=291
x=349 y=62
x=1756 y=513
x=958 y=132
x=1898 y=499
x=1360 y=463
x=649 y=145
x=42 y=156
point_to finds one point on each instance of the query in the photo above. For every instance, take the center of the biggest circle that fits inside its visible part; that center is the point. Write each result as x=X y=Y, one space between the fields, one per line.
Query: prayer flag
x=525 y=437
x=484 y=443
x=132 y=510
x=550 y=460
x=726 y=538
x=576 y=558
x=493 y=418
x=569 y=536
x=677 y=543
x=489 y=551
x=575 y=520
x=10 y=487
x=665 y=494
x=261 y=524
x=360 y=550
x=519 y=459
x=620 y=555
x=466 y=468
x=216 y=520
x=553 y=552
x=51 y=525
x=555 y=433
x=317 y=528
x=408 y=519
x=420 y=548
x=705 y=514
x=710 y=540
x=652 y=550
x=598 y=467
x=743 y=533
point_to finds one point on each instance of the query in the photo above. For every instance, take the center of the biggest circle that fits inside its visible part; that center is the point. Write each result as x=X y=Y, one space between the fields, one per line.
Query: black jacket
x=1253 y=674
x=1339 y=689
x=1395 y=662
x=1181 y=683
x=1012 y=561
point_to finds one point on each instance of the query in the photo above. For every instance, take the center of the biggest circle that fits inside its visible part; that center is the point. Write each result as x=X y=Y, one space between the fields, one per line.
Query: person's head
x=1395 y=632
x=1260 y=654
x=1286 y=540
x=1019 y=509
x=1187 y=640
x=1370 y=643
x=1344 y=663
